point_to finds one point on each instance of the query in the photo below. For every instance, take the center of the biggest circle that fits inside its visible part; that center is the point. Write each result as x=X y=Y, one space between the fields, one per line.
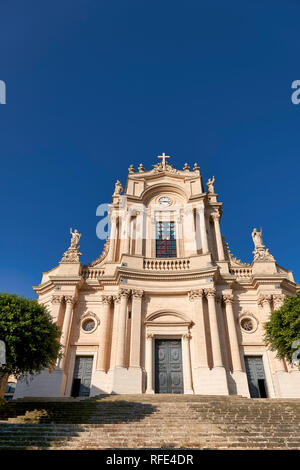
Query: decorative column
x=56 y=302
x=196 y=296
x=216 y=218
x=66 y=329
x=120 y=359
x=190 y=234
x=187 y=372
x=215 y=337
x=103 y=339
x=112 y=238
x=265 y=302
x=233 y=338
x=56 y=306
x=202 y=228
x=127 y=233
x=149 y=362
x=278 y=300
x=113 y=352
x=139 y=232
x=136 y=323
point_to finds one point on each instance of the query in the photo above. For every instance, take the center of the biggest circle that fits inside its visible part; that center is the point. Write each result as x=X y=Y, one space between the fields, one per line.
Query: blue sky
x=93 y=86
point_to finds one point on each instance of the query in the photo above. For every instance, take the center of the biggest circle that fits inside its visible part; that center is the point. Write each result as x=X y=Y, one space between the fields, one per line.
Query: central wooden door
x=256 y=376
x=82 y=376
x=168 y=366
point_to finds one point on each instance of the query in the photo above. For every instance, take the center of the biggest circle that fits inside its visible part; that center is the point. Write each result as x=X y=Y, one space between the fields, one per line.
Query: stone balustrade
x=89 y=273
x=176 y=264
x=241 y=272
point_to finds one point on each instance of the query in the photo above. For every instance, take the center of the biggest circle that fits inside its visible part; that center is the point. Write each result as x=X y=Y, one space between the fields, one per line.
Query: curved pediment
x=158 y=188
x=168 y=316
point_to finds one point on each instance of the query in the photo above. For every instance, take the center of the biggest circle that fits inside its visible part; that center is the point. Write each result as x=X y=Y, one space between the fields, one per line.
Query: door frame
x=72 y=356
x=154 y=363
x=266 y=363
x=150 y=371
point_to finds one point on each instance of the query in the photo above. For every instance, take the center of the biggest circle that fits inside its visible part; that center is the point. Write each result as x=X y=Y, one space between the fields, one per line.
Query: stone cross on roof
x=163 y=159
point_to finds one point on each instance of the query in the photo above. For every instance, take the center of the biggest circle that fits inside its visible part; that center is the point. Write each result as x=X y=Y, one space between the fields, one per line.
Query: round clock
x=164 y=201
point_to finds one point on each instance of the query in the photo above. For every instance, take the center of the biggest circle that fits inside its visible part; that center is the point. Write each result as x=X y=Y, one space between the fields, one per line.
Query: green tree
x=283 y=328
x=31 y=337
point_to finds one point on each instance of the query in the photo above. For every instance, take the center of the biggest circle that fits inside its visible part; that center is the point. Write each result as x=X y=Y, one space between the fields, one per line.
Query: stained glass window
x=165 y=240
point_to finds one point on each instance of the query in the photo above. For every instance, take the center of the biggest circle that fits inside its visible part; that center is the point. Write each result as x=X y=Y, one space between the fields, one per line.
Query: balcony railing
x=89 y=273
x=241 y=272
x=177 y=264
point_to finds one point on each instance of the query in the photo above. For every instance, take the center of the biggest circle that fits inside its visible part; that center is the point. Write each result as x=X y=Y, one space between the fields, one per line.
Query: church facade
x=166 y=308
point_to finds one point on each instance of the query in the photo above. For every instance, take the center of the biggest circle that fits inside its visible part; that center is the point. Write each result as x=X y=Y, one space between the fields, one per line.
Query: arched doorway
x=168 y=358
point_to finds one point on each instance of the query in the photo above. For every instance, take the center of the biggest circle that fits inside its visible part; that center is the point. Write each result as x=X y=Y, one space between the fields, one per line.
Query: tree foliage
x=31 y=337
x=283 y=328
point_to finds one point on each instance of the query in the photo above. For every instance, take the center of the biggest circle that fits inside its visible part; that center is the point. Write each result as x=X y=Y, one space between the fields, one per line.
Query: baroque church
x=166 y=308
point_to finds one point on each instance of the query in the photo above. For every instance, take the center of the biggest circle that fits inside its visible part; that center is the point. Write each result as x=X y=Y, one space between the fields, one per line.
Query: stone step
x=135 y=421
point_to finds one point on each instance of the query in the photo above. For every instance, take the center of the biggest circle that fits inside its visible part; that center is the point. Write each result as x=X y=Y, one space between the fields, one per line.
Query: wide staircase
x=145 y=421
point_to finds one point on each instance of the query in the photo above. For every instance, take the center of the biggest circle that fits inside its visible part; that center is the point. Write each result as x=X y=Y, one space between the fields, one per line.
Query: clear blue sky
x=93 y=86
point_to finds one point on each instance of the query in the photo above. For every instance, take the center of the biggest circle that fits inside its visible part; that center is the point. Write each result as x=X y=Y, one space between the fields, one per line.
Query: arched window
x=165 y=240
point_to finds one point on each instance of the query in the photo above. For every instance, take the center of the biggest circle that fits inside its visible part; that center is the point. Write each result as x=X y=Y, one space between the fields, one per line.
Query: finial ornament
x=210 y=186
x=196 y=167
x=186 y=167
x=163 y=158
x=72 y=255
x=164 y=166
x=141 y=168
x=131 y=169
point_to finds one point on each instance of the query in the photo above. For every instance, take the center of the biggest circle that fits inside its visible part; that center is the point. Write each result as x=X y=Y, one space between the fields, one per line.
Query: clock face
x=164 y=201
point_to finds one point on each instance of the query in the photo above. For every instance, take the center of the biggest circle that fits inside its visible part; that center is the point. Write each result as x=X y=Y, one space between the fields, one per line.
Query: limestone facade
x=166 y=276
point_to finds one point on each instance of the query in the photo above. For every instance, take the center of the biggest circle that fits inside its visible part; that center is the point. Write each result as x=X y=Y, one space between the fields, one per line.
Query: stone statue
x=210 y=185
x=260 y=253
x=72 y=254
x=257 y=239
x=118 y=188
x=75 y=238
x=2 y=353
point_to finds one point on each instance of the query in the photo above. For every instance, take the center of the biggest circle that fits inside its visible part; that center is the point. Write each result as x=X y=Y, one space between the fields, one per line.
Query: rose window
x=247 y=324
x=89 y=325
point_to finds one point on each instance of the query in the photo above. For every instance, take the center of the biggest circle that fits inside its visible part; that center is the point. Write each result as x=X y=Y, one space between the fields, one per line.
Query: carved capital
x=106 y=299
x=124 y=293
x=57 y=299
x=137 y=293
x=210 y=292
x=215 y=216
x=116 y=299
x=278 y=300
x=227 y=298
x=196 y=294
x=69 y=299
x=264 y=299
x=187 y=336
